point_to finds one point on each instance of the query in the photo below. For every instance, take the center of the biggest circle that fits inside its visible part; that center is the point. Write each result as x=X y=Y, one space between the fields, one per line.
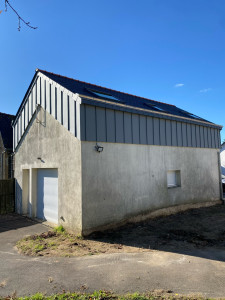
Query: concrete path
x=120 y=273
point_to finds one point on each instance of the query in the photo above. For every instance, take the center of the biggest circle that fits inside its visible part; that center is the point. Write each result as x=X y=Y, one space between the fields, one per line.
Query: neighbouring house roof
x=6 y=129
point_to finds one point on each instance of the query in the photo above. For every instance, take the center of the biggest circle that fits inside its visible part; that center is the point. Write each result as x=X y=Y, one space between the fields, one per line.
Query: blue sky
x=168 y=50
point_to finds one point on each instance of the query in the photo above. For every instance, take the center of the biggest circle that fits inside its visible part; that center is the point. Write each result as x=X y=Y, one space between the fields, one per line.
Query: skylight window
x=155 y=106
x=103 y=95
x=190 y=114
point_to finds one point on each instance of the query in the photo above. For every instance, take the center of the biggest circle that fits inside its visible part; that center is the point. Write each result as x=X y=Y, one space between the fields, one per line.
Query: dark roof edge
x=24 y=98
x=134 y=109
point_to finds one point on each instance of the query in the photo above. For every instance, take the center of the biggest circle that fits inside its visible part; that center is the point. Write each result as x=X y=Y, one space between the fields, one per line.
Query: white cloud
x=179 y=85
x=205 y=90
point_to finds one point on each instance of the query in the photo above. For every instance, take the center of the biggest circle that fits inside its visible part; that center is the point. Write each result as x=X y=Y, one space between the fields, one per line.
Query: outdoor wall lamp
x=99 y=148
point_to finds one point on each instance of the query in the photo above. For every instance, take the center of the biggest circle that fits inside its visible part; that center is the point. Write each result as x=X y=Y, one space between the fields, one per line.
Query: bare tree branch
x=19 y=17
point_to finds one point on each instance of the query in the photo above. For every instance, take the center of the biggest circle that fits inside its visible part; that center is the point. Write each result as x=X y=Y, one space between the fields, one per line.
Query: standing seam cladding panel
x=30 y=107
x=206 y=137
x=213 y=138
x=119 y=127
x=59 y=105
x=65 y=110
x=210 y=138
x=197 y=136
x=34 y=97
x=72 y=118
x=162 y=132
x=135 y=129
x=216 y=138
x=184 y=134
x=219 y=138
x=90 y=123
x=179 y=135
x=38 y=86
x=193 y=136
x=150 y=139
x=100 y=120
x=26 y=114
x=127 y=128
x=143 y=133
x=47 y=98
x=110 y=126
x=22 y=122
x=53 y=101
x=156 y=131
x=15 y=135
x=168 y=133
x=189 y=137
x=44 y=94
x=174 y=133
x=83 y=122
x=202 y=137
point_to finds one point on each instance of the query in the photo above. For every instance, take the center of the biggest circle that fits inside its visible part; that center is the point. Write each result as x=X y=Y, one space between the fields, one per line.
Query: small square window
x=173 y=178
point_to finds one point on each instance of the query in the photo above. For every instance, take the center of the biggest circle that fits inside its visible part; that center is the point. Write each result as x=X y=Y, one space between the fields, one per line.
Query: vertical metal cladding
x=119 y=127
x=143 y=130
x=54 y=100
x=113 y=126
x=127 y=128
x=100 y=124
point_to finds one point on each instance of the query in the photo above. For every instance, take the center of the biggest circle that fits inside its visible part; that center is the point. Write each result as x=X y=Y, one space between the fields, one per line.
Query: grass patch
x=59 y=229
x=59 y=242
x=103 y=295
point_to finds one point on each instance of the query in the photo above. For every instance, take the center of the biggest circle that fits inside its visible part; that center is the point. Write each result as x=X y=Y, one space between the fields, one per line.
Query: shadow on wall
x=196 y=232
x=18 y=198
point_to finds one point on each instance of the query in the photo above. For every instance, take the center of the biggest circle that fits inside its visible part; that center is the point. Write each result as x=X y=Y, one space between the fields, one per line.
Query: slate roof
x=80 y=87
x=6 y=129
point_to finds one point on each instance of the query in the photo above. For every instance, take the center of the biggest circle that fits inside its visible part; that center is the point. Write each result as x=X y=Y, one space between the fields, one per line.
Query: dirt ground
x=183 y=232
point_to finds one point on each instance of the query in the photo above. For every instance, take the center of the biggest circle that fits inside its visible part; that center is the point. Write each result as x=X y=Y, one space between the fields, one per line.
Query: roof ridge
x=103 y=87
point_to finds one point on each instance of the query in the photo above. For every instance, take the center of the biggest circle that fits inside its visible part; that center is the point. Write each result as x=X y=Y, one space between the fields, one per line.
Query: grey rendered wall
x=108 y=125
x=127 y=180
x=57 y=148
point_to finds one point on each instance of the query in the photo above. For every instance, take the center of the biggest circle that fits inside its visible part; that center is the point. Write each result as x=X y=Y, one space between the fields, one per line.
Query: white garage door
x=47 y=195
